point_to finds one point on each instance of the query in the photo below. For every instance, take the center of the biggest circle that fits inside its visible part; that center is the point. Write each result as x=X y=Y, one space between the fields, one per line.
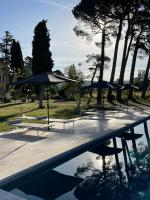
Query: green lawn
x=57 y=110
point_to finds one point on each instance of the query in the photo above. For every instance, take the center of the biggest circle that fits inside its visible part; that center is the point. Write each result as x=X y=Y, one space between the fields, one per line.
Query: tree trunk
x=124 y=60
x=128 y=50
x=130 y=95
x=145 y=79
x=99 y=94
x=115 y=59
x=40 y=97
x=92 y=81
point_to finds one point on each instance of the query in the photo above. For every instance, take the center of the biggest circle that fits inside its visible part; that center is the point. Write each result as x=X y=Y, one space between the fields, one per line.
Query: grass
x=58 y=109
x=5 y=127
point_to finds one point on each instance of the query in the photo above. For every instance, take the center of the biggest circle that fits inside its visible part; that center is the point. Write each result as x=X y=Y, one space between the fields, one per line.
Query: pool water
x=88 y=177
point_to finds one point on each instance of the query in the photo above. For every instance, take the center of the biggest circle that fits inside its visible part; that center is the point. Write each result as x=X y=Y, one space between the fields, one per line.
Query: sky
x=21 y=16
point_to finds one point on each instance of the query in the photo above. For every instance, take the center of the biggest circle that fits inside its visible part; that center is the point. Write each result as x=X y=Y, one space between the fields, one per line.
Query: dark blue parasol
x=45 y=79
x=130 y=87
x=100 y=85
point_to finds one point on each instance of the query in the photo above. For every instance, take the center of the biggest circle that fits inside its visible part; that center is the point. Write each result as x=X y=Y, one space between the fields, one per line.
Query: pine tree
x=97 y=18
x=42 y=57
x=146 y=79
x=5 y=46
x=137 y=19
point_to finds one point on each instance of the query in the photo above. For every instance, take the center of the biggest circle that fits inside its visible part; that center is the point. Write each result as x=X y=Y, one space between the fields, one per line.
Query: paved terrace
x=22 y=148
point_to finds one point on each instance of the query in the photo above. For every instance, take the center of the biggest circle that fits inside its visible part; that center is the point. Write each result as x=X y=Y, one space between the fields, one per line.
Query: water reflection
x=134 y=182
x=100 y=186
x=48 y=185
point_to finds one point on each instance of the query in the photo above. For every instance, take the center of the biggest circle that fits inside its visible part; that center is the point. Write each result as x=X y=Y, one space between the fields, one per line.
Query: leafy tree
x=42 y=56
x=95 y=60
x=28 y=89
x=138 y=81
x=72 y=90
x=71 y=72
x=28 y=66
x=16 y=61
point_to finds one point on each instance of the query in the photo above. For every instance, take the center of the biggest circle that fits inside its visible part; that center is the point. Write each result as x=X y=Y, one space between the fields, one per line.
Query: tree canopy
x=28 y=66
x=16 y=61
x=42 y=56
x=128 y=20
x=5 y=46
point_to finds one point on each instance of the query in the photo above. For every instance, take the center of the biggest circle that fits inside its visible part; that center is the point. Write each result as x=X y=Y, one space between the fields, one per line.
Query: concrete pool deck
x=22 y=148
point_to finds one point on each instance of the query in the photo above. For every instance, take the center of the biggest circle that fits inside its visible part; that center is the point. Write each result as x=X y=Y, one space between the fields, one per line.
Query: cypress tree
x=16 y=61
x=42 y=56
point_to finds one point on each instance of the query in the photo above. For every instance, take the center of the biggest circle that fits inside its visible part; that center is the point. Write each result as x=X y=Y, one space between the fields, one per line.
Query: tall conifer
x=42 y=56
x=16 y=61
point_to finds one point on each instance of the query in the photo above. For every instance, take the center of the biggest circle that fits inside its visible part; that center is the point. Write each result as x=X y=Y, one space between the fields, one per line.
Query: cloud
x=53 y=3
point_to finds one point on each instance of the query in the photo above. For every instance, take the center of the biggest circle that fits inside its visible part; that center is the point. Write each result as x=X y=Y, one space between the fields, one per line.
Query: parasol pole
x=127 y=99
x=21 y=114
x=48 y=107
x=103 y=98
x=103 y=101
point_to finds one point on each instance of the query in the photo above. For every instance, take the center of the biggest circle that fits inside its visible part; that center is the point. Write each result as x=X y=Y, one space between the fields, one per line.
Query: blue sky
x=21 y=16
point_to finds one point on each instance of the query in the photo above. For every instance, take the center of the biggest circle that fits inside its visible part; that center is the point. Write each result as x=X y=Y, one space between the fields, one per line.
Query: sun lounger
x=15 y=121
x=108 y=113
x=95 y=114
x=34 y=126
x=64 y=121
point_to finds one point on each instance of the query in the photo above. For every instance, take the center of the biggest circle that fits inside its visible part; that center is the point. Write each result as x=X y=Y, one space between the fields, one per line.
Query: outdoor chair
x=31 y=125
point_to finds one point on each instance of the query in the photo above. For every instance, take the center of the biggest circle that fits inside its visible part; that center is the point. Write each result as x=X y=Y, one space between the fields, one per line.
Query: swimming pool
x=90 y=177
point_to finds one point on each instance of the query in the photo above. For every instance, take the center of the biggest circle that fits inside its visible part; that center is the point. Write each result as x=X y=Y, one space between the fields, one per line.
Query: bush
x=7 y=100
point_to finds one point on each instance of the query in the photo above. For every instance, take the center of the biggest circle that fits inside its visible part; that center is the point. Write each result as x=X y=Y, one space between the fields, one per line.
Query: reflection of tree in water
x=100 y=185
x=141 y=178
